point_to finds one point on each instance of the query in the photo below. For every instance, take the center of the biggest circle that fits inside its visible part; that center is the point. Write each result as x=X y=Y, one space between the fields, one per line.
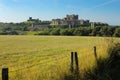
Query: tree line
x=21 y=28
x=18 y=28
x=83 y=31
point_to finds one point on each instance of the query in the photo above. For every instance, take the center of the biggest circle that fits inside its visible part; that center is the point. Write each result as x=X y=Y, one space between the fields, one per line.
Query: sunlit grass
x=47 y=57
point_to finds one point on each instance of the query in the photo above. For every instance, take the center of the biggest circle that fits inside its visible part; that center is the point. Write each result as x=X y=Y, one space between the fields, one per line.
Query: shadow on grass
x=72 y=76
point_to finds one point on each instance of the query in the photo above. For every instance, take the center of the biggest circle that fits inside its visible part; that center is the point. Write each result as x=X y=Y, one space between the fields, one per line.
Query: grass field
x=47 y=57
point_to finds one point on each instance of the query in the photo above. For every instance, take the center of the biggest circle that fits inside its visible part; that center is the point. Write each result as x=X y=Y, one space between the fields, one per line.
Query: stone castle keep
x=71 y=20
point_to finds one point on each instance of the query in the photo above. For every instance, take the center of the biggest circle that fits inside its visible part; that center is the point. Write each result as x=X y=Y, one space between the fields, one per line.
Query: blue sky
x=95 y=10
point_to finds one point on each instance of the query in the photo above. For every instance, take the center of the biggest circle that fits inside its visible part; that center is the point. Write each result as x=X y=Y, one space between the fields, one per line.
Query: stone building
x=71 y=20
x=34 y=20
x=37 y=24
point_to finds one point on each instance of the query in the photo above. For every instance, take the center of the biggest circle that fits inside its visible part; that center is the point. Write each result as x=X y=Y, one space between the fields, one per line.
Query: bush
x=108 y=68
x=55 y=32
x=117 y=32
x=66 y=32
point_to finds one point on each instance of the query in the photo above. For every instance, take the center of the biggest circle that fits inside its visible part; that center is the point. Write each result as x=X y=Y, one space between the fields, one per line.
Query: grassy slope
x=46 y=57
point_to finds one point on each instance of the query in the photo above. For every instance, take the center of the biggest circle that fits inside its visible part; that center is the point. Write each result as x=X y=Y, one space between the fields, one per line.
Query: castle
x=71 y=20
x=38 y=24
x=37 y=21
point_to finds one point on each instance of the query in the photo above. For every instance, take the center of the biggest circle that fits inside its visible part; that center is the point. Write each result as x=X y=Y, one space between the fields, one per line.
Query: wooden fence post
x=74 y=67
x=71 y=66
x=76 y=62
x=5 y=74
x=95 y=53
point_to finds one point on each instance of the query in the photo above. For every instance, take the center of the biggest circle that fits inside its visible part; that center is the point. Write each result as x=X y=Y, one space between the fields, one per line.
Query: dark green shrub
x=108 y=68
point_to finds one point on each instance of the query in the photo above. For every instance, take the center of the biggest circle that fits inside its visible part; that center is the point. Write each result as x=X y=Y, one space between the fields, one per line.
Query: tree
x=117 y=32
x=55 y=32
x=95 y=31
x=65 y=32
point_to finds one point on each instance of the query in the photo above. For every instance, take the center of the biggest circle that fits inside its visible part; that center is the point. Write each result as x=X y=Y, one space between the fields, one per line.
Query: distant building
x=37 y=21
x=34 y=20
x=71 y=20
x=37 y=24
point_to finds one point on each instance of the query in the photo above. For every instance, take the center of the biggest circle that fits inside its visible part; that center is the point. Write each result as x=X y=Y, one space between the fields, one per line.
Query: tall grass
x=106 y=68
x=47 y=57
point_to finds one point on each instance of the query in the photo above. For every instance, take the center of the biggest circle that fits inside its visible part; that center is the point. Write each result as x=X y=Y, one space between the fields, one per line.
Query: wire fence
x=53 y=58
x=39 y=64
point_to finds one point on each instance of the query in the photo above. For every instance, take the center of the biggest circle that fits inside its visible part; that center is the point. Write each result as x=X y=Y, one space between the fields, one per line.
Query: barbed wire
x=54 y=59
x=31 y=55
x=40 y=56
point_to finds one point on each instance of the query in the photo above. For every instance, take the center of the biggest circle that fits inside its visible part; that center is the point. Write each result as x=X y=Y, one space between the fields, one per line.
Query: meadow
x=48 y=57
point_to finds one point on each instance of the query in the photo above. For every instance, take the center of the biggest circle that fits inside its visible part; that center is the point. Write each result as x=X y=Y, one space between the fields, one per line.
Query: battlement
x=71 y=20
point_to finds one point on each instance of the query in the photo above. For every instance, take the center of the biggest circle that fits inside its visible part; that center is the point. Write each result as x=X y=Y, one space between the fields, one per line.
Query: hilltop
x=70 y=25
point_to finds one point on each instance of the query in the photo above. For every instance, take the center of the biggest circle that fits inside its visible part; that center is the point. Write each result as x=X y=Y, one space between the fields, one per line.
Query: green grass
x=47 y=57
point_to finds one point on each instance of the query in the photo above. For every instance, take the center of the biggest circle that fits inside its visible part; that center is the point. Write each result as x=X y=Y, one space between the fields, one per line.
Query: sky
x=107 y=11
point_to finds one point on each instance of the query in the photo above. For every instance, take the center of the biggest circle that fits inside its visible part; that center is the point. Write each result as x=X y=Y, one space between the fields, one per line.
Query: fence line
x=60 y=58
x=55 y=61
x=74 y=69
x=46 y=55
